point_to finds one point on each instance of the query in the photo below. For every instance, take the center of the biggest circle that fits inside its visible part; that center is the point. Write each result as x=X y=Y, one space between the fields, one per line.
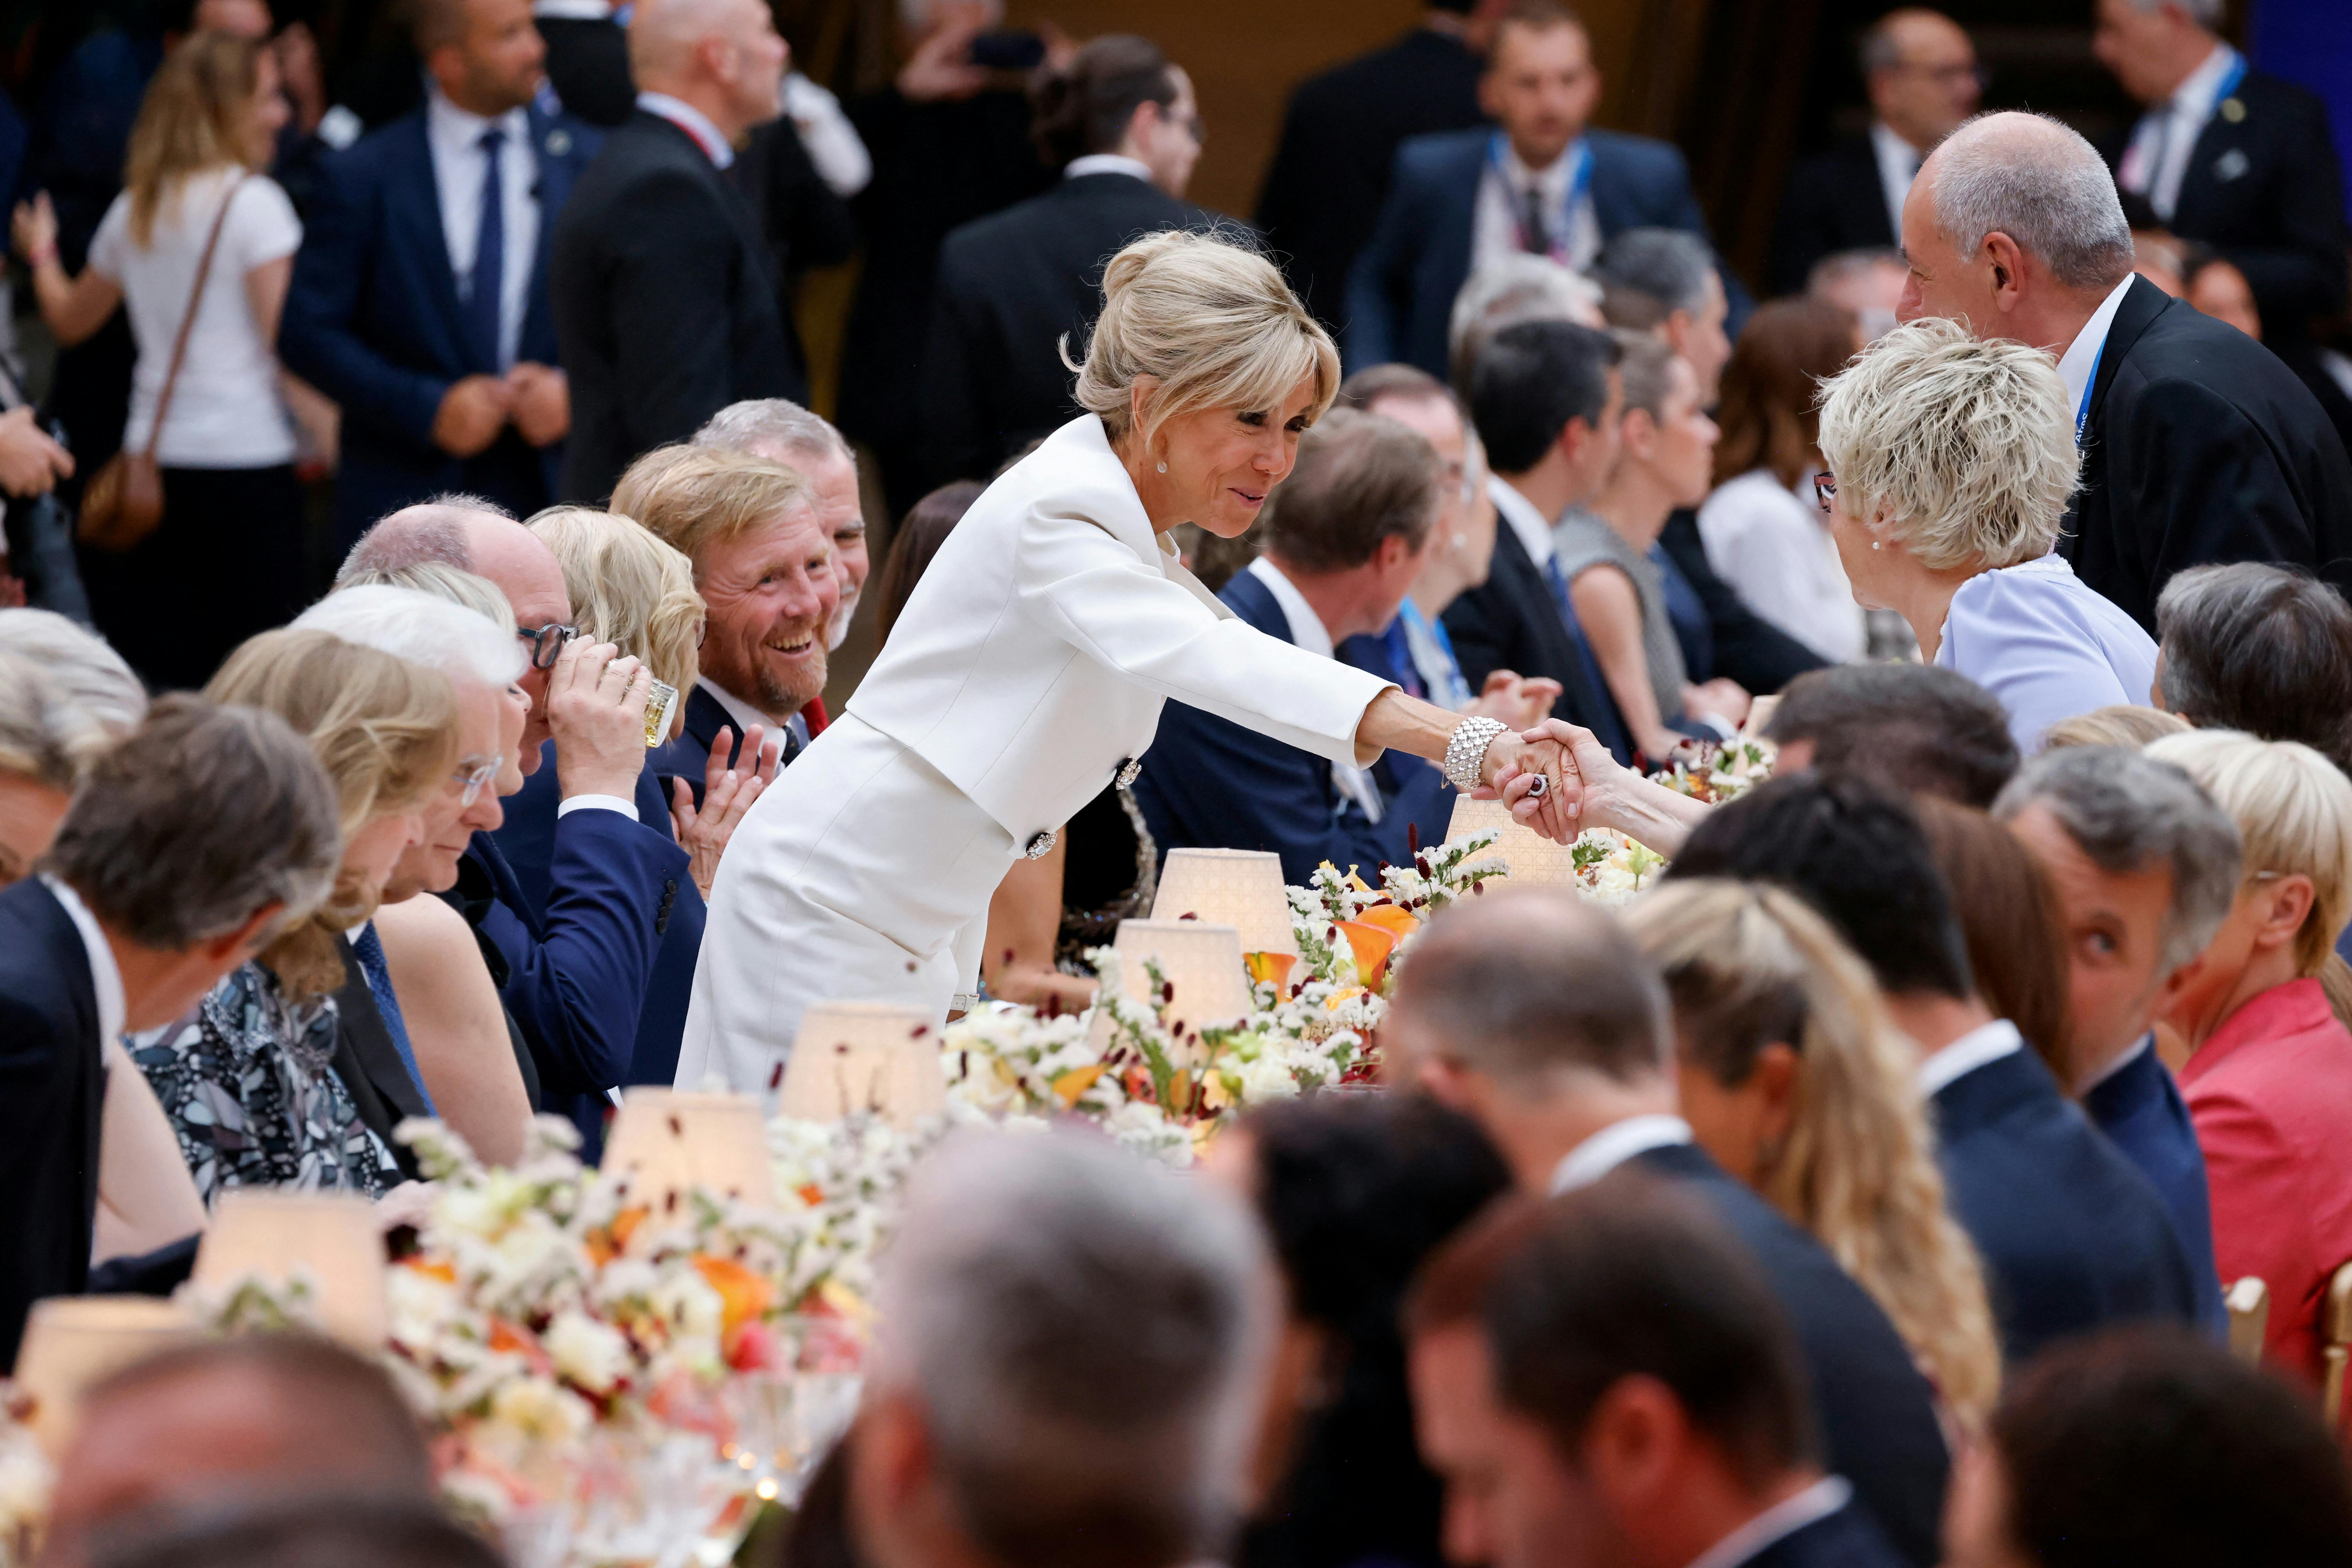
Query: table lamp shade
x=864 y=1056
x=274 y=1234
x=1534 y=861
x=670 y=1140
x=1239 y=887
x=1201 y=961
x=72 y=1342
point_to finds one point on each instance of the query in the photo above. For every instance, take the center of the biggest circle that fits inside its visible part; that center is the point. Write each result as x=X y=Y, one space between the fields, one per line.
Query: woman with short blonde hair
x=1794 y=1080
x=1028 y=668
x=630 y=589
x=248 y=1079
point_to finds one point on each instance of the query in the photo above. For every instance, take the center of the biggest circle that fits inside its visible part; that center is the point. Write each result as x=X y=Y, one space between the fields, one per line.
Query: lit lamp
x=864 y=1056
x=273 y=1234
x=668 y=1140
x=1202 y=962
x=73 y=1341
x=1239 y=887
x=1534 y=861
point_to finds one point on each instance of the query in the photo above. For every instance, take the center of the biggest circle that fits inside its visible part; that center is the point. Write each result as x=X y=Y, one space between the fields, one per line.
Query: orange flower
x=1269 y=968
x=744 y=1296
x=1393 y=918
x=604 y=1246
x=1371 y=944
x=445 y=1271
x=1076 y=1082
x=514 y=1337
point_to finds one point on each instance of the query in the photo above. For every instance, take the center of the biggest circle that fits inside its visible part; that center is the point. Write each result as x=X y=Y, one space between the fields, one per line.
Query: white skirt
x=860 y=875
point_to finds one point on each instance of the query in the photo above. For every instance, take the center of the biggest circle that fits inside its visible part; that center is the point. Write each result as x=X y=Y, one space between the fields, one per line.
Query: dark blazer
x=1207 y=783
x=1401 y=290
x=663 y=302
x=588 y=67
x=52 y=1091
x=373 y=320
x=1748 y=648
x=689 y=756
x=367 y=1061
x=1874 y=1411
x=1512 y=622
x=1339 y=139
x=2200 y=447
x=1832 y=202
x=2140 y=1110
x=2266 y=191
x=1846 y=1539
x=2072 y=1237
x=1010 y=287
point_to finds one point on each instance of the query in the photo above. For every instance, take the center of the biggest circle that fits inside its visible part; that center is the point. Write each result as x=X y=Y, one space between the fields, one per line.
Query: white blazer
x=1030 y=663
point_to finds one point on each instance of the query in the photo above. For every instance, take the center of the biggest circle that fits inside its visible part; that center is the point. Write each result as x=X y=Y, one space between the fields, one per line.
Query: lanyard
x=1579 y=180
x=2090 y=387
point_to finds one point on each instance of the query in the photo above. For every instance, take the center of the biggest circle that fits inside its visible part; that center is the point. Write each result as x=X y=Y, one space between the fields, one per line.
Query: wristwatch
x=1466 y=753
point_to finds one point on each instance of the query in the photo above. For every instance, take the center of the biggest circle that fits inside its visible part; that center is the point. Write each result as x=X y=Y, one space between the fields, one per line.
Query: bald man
x=1920 y=71
x=2199 y=445
x=664 y=306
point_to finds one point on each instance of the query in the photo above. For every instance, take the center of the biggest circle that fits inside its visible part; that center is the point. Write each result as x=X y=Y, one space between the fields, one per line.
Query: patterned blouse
x=249 y=1084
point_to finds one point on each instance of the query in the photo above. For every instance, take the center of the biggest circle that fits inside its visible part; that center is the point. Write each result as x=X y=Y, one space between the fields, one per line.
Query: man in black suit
x=587 y=60
x=2072 y=1235
x=1013 y=287
x=1920 y=69
x=1551 y=1341
x=1536 y=1015
x=1545 y=398
x=2231 y=157
x=2199 y=447
x=664 y=306
x=186 y=847
x=1339 y=139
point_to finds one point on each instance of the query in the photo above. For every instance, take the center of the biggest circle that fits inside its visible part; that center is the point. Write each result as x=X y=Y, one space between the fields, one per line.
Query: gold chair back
x=2335 y=1323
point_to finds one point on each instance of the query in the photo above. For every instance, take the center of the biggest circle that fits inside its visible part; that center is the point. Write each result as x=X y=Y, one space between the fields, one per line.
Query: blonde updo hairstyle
x=1965 y=444
x=1210 y=322
x=628 y=588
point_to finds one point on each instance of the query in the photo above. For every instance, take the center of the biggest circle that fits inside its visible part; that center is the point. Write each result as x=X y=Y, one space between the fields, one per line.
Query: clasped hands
x=1571 y=760
x=535 y=398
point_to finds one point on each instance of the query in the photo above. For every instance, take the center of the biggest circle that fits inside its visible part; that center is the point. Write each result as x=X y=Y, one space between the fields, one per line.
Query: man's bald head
x=2040 y=183
x=1921 y=71
x=722 y=55
x=471 y=535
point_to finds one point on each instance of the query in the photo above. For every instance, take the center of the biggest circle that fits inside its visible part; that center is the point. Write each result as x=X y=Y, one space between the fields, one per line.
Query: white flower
x=687 y=1306
x=591 y=1354
x=538 y=1410
x=1268 y=1078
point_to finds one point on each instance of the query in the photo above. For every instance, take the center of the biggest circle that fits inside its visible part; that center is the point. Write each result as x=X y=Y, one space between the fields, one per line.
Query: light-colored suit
x=1028 y=666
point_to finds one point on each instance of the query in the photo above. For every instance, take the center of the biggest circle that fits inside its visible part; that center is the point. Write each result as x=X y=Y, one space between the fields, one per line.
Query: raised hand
x=727 y=792
x=596 y=712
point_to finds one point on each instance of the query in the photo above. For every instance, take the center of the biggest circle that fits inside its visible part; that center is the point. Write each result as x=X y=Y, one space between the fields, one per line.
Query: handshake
x=535 y=398
x=1546 y=774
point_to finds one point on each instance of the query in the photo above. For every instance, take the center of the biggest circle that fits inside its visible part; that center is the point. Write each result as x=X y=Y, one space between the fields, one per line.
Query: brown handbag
x=124 y=502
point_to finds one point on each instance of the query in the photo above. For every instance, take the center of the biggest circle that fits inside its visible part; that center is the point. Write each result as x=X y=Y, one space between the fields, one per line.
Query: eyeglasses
x=546 y=643
x=476 y=777
x=1825 y=491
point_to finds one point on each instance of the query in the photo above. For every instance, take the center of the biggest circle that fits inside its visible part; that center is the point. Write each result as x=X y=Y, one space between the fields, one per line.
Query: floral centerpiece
x=1722 y=773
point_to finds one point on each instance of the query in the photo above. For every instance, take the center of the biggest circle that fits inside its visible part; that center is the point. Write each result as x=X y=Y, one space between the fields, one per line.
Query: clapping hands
x=730 y=785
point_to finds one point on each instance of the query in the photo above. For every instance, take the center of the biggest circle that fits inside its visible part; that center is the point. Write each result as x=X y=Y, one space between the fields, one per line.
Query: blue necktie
x=370 y=952
x=487 y=283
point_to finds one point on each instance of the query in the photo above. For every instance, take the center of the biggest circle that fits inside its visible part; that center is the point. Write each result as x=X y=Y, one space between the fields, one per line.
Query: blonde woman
x=248 y=1079
x=2269 y=1075
x=228 y=560
x=1028 y=669
x=1793 y=1079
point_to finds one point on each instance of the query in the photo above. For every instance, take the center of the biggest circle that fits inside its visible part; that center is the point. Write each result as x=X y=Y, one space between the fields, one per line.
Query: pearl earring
x=1163 y=468
x=1874 y=544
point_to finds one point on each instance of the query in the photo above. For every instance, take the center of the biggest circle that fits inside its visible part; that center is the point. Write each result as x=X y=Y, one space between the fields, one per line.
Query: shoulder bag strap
x=195 y=300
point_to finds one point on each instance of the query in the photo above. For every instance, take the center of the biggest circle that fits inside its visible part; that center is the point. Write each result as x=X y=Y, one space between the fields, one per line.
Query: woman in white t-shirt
x=228 y=560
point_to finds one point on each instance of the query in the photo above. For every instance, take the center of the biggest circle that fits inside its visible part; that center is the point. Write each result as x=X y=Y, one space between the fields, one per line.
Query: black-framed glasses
x=476 y=777
x=1826 y=492
x=546 y=643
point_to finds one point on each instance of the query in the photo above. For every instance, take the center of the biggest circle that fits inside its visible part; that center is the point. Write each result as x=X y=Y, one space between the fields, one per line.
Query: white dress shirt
x=1981 y=1047
x=2078 y=367
x=1777 y=1523
x=2046 y=644
x=1307 y=631
x=2157 y=158
x=694 y=122
x=453 y=138
x=1573 y=227
x=1772 y=544
x=745 y=715
x=1532 y=529
x=1898 y=165
x=1613 y=1145
x=1106 y=164
x=105 y=974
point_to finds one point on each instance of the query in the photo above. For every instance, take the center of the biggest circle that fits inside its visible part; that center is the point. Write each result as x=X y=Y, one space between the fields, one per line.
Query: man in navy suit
x=1536 y=1015
x=2072 y=1235
x=419 y=301
x=1543 y=184
x=1344 y=536
x=2146 y=867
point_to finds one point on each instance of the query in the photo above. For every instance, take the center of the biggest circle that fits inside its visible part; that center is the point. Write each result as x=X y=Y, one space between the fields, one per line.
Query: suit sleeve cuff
x=627 y=808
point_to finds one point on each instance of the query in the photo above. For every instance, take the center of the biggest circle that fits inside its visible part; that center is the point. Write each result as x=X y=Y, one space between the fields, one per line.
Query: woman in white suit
x=1028 y=669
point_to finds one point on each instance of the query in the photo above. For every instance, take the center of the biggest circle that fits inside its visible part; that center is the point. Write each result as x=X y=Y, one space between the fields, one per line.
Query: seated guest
x=254 y=1418
x=1952 y=464
x=1355 y=1192
x=2269 y=1076
x=1343 y=538
x=2148 y=1448
x=2265 y=650
x=421 y=1029
x=803 y=442
x=1546 y=399
x=1867 y=282
x=2072 y=1235
x=2012 y=926
x=1118 y=1447
x=1538 y=1016
x=1605 y=549
x=1921 y=729
x=187 y=849
x=1607 y=1378
x=2144 y=867
x=1794 y=1081
x=1663 y=282
x=1764 y=531
x=1514 y=289
x=66 y=698
x=765 y=567
x=1019 y=288
x=2122 y=724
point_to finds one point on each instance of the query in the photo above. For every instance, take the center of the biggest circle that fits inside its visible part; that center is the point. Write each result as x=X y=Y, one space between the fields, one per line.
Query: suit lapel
x=551 y=151
x=414 y=215
x=2142 y=305
x=366 y=1058
x=1252 y=602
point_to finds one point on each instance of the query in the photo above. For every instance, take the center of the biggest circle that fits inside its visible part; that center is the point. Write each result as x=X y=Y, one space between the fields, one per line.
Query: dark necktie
x=1536 y=234
x=370 y=952
x=488 y=278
